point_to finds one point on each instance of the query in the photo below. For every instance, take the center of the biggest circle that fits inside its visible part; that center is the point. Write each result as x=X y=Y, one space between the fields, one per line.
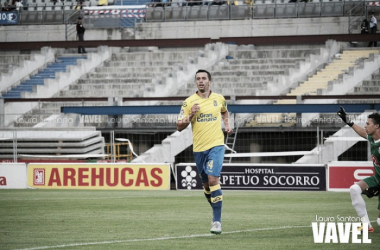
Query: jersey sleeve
x=185 y=111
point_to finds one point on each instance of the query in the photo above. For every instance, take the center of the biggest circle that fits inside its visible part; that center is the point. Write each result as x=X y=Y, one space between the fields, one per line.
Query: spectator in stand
x=80 y=33
x=19 y=5
x=6 y=7
x=364 y=27
x=372 y=28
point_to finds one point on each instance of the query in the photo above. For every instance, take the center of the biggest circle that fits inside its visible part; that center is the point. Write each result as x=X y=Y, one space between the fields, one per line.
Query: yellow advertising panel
x=99 y=176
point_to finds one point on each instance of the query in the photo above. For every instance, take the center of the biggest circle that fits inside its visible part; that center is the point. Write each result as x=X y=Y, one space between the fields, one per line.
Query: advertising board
x=99 y=176
x=342 y=174
x=12 y=175
x=258 y=177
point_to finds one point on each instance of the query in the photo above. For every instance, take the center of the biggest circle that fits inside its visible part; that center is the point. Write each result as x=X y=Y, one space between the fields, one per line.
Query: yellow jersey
x=206 y=123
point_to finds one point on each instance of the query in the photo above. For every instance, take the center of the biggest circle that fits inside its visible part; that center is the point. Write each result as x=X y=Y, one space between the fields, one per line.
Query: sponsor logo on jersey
x=206 y=118
x=375 y=161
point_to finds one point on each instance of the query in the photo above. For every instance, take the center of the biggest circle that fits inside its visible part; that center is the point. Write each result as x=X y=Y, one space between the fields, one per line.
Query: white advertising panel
x=13 y=175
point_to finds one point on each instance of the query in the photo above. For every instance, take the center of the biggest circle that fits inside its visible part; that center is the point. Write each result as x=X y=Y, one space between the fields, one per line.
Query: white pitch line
x=158 y=239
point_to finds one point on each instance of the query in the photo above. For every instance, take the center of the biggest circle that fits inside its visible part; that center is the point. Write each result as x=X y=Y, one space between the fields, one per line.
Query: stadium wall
x=194 y=29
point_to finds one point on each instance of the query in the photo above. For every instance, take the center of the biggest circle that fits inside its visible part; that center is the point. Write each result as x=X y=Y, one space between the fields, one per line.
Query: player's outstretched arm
x=359 y=130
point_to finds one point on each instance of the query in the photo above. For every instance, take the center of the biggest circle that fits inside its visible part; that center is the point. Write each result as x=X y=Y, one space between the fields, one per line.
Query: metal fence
x=249 y=140
x=200 y=10
x=206 y=11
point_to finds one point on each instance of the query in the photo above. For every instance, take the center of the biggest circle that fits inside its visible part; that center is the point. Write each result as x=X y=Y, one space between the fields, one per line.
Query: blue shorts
x=209 y=162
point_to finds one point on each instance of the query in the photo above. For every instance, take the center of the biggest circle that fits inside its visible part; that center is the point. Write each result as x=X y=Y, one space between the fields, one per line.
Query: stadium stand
x=128 y=74
x=46 y=12
x=124 y=77
x=52 y=86
x=331 y=72
x=315 y=84
x=131 y=74
x=49 y=72
x=32 y=62
x=251 y=69
x=56 y=136
x=367 y=87
x=246 y=56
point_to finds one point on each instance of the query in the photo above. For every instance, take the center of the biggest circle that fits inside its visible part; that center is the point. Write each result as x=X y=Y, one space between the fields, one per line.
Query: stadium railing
x=194 y=10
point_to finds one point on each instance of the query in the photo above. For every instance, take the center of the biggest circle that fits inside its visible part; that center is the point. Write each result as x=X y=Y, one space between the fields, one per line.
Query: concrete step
x=281 y=53
x=371 y=83
x=267 y=66
x=99 y=93
x=108 y=87
x=142 y=63
x=367 y=90
x=122 y=74
x=141 y=70
x=265 y=60
x=114 y=81
x=154 y=56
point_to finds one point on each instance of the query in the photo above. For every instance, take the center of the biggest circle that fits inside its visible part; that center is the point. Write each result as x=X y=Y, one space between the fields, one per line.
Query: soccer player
x=205 y=110
x=370 y=185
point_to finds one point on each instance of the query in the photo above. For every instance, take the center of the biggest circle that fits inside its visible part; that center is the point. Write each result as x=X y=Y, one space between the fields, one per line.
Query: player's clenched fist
x=195 y=108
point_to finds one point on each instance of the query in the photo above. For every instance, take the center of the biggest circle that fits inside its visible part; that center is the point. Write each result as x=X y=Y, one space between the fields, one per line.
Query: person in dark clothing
x=80 y=33
x=364 y=27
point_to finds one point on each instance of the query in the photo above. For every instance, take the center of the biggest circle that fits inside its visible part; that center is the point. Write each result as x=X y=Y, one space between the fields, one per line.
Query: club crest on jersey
x=375 y=161
x=215 y=103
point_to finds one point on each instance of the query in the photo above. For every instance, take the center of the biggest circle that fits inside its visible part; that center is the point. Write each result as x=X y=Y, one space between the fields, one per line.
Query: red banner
x=341 y=175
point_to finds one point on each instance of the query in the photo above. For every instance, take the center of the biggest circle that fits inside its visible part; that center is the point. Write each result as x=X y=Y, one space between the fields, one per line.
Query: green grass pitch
x=98 y=220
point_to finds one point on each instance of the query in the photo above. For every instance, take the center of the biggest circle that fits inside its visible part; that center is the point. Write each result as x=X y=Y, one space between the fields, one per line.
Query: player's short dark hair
x=203 y=71
x=375 y=117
